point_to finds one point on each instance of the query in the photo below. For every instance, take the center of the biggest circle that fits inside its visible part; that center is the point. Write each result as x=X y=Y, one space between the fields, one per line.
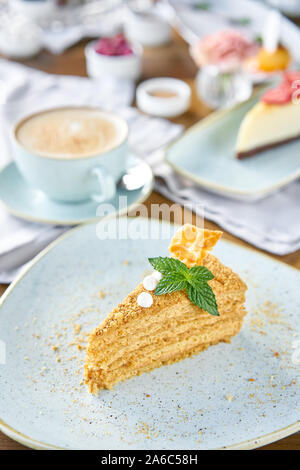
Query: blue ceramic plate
x=206 y=155
x=22 y=200
x=242 y=395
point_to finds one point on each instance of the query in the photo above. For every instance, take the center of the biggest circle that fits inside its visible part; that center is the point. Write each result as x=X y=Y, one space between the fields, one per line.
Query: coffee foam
x=71 y=133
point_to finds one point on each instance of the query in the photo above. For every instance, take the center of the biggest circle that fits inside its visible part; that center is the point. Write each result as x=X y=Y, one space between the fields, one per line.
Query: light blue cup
x=79 y=178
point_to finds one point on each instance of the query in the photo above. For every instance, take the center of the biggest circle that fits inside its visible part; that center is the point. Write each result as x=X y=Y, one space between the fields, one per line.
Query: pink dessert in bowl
x=228 y=47
x=114 y=46
x=114 y=57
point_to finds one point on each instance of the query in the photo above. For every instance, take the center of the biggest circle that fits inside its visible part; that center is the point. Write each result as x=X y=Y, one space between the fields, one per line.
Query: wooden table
x=171 y=60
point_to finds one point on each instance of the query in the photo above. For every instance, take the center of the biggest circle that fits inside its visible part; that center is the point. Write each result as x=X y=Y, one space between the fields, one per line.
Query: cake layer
x=226 y=282
x=97 y=379
x=169 y=341
x=268 y=125
x=181 y=318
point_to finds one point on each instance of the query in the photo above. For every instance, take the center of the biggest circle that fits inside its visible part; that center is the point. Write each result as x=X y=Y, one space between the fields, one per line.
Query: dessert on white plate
x=273 y=121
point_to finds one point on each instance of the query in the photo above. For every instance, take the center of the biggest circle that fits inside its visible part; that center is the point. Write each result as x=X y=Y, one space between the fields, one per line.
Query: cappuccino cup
x=72 y=154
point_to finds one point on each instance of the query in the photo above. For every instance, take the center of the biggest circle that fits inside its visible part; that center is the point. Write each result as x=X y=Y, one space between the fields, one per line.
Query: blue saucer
x=22 y=200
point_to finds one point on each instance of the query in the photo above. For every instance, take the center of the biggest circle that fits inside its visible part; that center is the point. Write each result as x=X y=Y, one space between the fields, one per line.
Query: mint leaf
x=177 y=276
x=171 y=283
x=202 y=6
x=201 y=273
x=241 y=21
x=168 y=265
x=204 y=298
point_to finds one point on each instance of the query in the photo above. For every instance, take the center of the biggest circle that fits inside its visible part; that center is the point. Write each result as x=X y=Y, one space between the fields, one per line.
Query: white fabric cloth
x=82 y=22
x=63 y=27
x=93 y=20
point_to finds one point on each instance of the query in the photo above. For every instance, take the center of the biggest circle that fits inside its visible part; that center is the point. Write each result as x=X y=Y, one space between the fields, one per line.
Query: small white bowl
x=124 y=66
x=163 y=106
x=147 y=28
x=20 y=39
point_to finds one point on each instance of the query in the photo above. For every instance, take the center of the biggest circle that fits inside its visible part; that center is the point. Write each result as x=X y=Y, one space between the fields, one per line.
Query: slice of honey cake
x=190 y=302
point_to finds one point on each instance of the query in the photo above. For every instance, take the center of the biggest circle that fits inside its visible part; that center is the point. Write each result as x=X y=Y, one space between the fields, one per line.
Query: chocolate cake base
x=250 y=153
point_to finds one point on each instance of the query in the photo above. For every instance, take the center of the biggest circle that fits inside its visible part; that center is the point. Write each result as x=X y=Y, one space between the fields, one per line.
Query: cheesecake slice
x=273 y=121
x=138 y=336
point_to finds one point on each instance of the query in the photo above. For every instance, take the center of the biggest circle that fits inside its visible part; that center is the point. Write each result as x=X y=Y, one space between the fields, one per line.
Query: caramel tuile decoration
x=190 y=244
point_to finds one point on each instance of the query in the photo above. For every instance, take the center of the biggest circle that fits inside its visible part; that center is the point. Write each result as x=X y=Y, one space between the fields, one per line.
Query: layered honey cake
x=190 y=302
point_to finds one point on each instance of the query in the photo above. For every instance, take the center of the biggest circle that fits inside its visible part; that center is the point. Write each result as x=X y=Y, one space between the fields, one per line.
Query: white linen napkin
x=92 y=20
x=63 y=27
x=87 y=21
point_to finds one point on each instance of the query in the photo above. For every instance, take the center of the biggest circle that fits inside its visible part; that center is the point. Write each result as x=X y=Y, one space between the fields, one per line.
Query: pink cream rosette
x=226 y=49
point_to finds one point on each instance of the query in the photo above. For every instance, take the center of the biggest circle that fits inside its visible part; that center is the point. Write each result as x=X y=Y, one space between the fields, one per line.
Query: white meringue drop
x=157 y=275
x=150 y=283
x=145 y=300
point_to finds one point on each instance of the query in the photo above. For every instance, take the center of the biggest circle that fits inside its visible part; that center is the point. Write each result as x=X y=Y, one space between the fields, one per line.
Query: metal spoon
x=135 y=177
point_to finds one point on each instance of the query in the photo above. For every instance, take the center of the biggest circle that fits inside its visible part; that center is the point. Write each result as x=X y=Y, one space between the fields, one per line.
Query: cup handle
x=106 y=182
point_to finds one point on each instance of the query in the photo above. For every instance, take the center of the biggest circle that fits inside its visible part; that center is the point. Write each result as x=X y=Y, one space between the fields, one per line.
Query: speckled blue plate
x=19 y=198
x=241 y=395
x=205 y=154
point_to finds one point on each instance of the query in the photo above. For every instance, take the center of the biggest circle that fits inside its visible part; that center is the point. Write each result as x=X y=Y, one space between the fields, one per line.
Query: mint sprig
x=177 y=276
x=202 y=6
